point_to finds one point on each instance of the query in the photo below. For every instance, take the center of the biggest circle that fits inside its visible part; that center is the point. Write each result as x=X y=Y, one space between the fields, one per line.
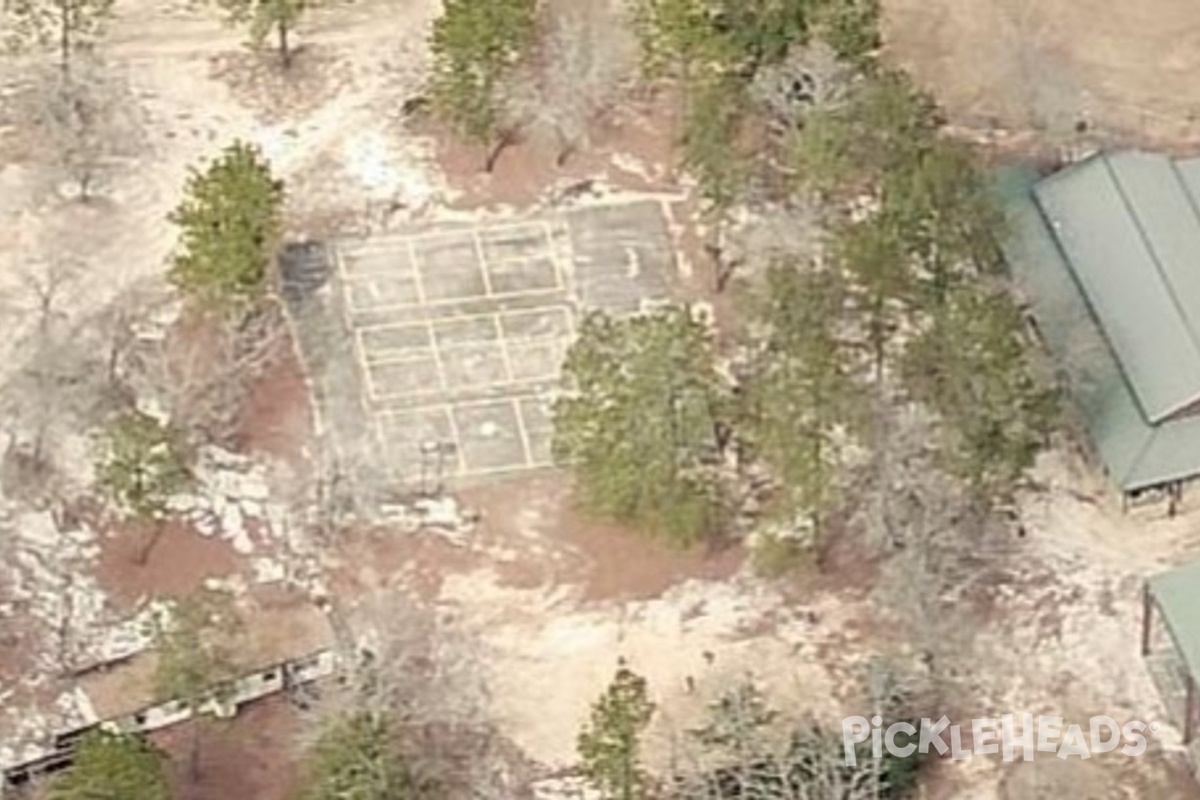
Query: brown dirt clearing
x=1125 y=68
x=178 y=564
x=250 y=757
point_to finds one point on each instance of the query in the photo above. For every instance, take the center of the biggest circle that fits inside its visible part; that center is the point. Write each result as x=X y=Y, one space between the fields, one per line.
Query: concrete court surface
x=457 y=334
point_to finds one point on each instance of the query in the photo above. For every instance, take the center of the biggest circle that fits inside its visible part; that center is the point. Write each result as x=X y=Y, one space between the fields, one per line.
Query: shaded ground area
x=252 y=757
x=1127 y=68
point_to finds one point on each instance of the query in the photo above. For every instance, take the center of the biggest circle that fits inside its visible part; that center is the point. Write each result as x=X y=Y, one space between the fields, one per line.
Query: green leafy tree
x=799 y=399
x=695 y=38
x=849 y=148
x=196 y=663
x=710 y=142
x=938 y=203
x=972 y=366
x=641 y=422
x=609 y=745
x=111 y=766
x=761 y=32
x=851 y=28
x=140 y=464
x=357 y=757
x=232 y=226
x=873 y=254
x=65 y=25
x=713 y=154
x=266 y=16
x=678 y=37
x=476 y=44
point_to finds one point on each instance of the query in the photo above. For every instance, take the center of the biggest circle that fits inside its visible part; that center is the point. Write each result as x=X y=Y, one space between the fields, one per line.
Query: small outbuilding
x=1176 y=597
x=1106 y=255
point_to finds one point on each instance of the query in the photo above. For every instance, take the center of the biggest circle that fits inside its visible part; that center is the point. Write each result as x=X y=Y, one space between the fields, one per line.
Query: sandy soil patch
x=1126 y=68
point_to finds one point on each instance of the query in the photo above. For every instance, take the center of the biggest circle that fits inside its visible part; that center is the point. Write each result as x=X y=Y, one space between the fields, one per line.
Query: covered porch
x=1175 y=663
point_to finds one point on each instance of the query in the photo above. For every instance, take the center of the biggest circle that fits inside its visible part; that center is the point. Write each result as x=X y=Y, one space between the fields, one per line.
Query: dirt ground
x=252 y=757
x=177 y=564
x=1126 y=69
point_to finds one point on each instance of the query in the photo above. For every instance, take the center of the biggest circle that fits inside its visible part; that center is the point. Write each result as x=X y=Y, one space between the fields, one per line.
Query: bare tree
x=85 y=123
x=201 y=370
x=934 y=550
x=586 y=56
x=36 y=397
x=426 y=674
x=64 y=25
x=748 y=750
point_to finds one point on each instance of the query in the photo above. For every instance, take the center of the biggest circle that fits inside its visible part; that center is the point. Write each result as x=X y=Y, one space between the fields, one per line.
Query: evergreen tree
x=232 y=226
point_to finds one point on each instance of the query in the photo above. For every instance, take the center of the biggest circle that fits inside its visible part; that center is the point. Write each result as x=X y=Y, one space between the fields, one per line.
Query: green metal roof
x=1177 y=594
x=1132 y=236
x=1117 y=299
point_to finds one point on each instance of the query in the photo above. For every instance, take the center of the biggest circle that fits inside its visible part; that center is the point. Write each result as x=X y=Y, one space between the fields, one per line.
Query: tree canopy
x=266 y=16
x=232 y=226
x=356 y=757
x=140 y=464
x=609 y=744
x=475 y=45
x=972 y=367
x=110 y=766
x=639 y=421
x=65 y=25
x=800 y=392
x=195 y=651
x=924 y=260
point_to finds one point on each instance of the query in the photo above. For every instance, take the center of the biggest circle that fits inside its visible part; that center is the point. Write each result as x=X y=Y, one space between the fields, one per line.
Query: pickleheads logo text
x=1007 y=736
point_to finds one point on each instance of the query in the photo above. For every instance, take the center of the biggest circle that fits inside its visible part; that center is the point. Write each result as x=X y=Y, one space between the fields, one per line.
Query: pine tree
x=610 y=743
x=266 y=16
x=232 y=226
x=111 y=766
x=139 y=465
x=639 y=422
x=356 y=756
x=65 y=25
x=800 y=398
x=476 y=44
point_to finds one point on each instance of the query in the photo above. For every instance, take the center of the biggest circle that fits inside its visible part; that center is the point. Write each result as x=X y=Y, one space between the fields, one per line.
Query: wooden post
x=1189 y=718
x=1147 y=618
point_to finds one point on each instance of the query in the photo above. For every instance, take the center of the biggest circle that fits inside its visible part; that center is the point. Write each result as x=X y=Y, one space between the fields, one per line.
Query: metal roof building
x=1107 y=254
x=1176 y=597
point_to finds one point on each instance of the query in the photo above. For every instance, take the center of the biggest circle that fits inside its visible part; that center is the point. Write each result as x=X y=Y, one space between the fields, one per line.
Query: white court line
x=483 y=265
x=378 y=397
x=447 y=410
x=452 y=301
x=416 y=271
x=561 y=309
x=386 y=245
x=522 y=434
x=510 y=376
x=391 y=353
